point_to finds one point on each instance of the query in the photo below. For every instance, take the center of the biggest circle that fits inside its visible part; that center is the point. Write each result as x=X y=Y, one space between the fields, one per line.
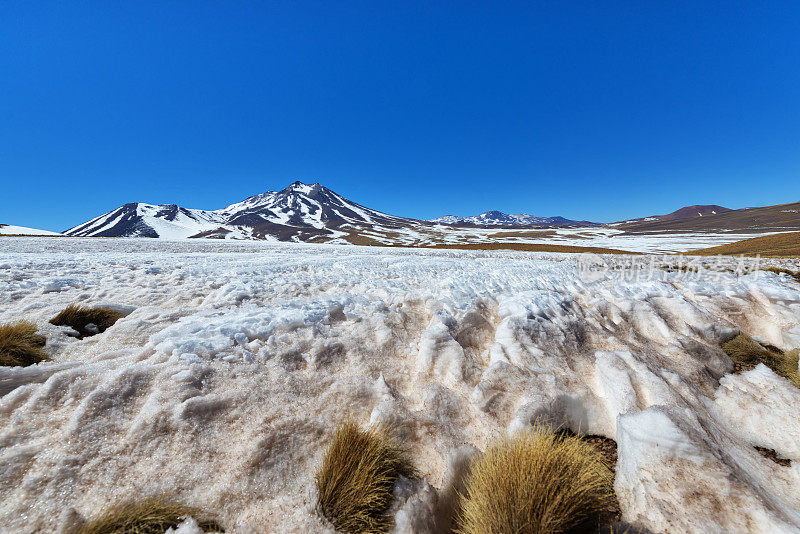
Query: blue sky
x=591 y=110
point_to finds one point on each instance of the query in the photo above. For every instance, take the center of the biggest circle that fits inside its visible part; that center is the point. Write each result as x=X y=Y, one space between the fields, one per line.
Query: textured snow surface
x=224 y=383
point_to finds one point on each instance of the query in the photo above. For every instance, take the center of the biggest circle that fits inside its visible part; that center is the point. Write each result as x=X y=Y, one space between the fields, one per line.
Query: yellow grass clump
x=150 y=516
x=783 y=245
x=356 y=480
x=747 y=353
x=538 y=482
x=78 y=317
x=20 y=344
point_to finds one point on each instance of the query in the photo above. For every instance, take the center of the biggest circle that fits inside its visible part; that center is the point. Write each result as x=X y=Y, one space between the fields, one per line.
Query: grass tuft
x=747 y=353
x=537 y=482
x=150 y=516
x=356 y=480
x=78 y=317
x=21 y=345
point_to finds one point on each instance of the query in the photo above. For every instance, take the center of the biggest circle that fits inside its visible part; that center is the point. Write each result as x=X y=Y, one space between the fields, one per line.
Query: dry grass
x=538 y=482
x=21 y=345
x=357 y=477
x=785 y=245
x=747 y=353
x=151 y=516
x=78 y=317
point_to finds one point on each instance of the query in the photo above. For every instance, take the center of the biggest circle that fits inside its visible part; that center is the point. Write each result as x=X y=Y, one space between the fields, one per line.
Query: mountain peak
x=298 y=187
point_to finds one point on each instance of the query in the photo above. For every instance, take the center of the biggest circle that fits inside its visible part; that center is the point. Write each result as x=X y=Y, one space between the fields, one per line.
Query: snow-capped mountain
x=138 y=219
x=302 y=205
x=498 y=218
x=298 y=212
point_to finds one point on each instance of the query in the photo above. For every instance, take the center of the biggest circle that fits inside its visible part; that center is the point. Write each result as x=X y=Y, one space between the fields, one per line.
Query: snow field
x=24 y=230
x=224 y=384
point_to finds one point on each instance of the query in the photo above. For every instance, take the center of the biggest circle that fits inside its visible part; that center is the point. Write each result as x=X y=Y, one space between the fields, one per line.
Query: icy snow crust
x=224 y=384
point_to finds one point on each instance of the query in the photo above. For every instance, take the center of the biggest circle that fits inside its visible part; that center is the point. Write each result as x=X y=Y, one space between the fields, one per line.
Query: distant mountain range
x=300 y=212
x=498 y=218
x=315 y=214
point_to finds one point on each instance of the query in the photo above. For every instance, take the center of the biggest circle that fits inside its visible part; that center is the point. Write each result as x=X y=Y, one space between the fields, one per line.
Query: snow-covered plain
x=224 y=383
x=602 y=237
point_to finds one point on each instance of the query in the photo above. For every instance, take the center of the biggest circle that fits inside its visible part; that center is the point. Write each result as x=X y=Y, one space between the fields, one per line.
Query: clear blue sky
x=592 y=110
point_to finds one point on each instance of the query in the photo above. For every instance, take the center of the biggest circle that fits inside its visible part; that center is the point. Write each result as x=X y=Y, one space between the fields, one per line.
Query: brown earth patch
x=772 y=455
x=607 y=448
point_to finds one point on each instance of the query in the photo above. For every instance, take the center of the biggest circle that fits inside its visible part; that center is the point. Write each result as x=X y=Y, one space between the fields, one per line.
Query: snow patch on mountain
x=10 y=229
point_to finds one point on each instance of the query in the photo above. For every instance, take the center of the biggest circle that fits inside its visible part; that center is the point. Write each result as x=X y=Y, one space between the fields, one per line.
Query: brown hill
x=686 y=212
x=694 y=211
x=779 y=217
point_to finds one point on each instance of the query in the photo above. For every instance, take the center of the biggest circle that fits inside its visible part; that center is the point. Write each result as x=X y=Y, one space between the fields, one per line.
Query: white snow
x=10 y=229
x=752 y=404
x=223 y=385
x=679 y=470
